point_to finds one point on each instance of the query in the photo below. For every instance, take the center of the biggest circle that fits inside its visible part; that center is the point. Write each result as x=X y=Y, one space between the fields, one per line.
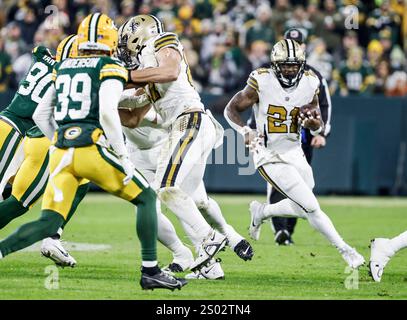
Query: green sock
x=10 y=209
x=147 y=224
x=80 y=194
x=32 y=232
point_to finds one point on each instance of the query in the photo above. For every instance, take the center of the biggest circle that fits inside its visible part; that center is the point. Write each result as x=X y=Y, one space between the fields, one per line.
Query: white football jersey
x=146 y=136
x=277 y=111
x=172 y=98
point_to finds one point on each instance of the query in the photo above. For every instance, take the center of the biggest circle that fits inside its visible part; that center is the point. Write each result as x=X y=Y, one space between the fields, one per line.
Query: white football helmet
x=133 y=34
x=287 y=62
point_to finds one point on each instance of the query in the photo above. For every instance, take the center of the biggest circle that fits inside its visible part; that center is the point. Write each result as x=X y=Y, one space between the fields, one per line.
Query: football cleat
x=380 y=254
x=161 y=280
x=213 y=271
x=53 y=249
x=214 y=243
x=244 y=250
x=255 y=223
x=352 y=257
x=283 y=238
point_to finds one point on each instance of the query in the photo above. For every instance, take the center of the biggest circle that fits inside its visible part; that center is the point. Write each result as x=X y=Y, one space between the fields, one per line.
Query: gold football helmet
x=97 y=33
x=67 y=48
x=287 y=62
x=133 y=34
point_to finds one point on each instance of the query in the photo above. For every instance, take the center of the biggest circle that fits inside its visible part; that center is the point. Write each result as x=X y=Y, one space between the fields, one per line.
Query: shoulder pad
x=260 y=71
x=166 y=39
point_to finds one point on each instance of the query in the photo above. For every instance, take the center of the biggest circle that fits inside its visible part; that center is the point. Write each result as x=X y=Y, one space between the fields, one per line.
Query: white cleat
x=210 y=246
x=256 y=208
x=53 y=249
x=352 y=257
x=380 y=254
x=211 y=272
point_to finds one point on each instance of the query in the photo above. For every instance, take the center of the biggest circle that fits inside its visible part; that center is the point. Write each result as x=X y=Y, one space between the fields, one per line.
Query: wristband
x=244 y=130
x=316 y=132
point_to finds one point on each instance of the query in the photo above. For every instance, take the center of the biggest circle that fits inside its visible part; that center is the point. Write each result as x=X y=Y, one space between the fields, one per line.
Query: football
x=310 y=112
x=310 y=117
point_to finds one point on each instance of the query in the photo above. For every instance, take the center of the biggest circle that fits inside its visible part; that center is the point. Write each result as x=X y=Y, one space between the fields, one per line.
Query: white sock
x=317 y=219
x=168 y=236
x=196 y=241
x=1 y=255
x=185 y=209
x=214 y=215
x=321 y=222
x=399 y=242
x=149 y=264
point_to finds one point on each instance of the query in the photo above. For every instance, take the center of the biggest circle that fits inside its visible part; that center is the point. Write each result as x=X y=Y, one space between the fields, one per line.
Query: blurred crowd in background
x=225 y=40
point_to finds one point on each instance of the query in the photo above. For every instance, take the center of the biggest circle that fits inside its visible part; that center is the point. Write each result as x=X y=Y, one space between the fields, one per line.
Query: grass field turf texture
x=311 y=269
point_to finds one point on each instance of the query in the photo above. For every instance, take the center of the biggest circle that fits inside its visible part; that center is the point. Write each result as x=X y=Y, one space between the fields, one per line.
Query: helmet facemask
x=133 y=35
x=289 y=73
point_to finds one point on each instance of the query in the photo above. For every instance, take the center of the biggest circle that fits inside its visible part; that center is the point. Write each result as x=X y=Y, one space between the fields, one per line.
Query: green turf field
x=311 y=269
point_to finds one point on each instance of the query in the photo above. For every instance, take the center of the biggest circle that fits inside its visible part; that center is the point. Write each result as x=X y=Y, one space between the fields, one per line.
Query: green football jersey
x=31 y=90
x=34 y=132
x=77 y=83
x=356 y=80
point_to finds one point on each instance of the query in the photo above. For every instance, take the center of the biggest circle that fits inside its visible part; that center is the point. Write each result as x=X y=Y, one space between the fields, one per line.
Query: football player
x=284 y=227
x=16 y=119
x=276 y=95
x=381 y=251
x=144 y=140
x=31 y=178
x=192 y=131
x=88 y=145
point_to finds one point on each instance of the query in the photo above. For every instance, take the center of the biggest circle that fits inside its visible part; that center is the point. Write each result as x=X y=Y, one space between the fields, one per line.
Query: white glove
x=128 y=169
x=256 y=144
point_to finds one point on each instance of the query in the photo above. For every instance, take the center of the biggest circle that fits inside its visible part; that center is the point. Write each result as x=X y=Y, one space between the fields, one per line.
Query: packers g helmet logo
x=72 y=133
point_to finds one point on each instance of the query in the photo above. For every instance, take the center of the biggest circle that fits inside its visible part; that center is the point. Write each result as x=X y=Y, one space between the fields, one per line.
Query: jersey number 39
x=75 y=96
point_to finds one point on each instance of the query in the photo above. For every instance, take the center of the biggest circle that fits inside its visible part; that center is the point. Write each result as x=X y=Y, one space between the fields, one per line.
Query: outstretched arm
x=240 y=102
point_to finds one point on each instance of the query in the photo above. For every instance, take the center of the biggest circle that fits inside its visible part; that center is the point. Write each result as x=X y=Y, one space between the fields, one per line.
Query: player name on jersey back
x=79 y=63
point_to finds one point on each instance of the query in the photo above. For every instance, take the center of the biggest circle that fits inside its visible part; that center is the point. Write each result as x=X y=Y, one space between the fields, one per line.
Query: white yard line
x=73 y=246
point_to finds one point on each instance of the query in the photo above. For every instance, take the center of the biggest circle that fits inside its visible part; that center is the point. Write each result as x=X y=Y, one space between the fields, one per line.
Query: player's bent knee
x=167 y=193
x=147 y=196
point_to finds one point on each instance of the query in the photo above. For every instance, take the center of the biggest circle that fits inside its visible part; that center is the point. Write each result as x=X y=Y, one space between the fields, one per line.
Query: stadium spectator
x=320 y=58
x=355 y=75
x=5 y=68
x=329 y=25
x=260 y=28
x=384 y=18
x=281 y=14
x=382 y=73
x=299 y=20
x=259 y=55
x=374 y=52
x=221 y=70
x=396 y=85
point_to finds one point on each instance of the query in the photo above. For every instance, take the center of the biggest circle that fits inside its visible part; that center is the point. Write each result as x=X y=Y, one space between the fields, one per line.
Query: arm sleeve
x=43 y=115
x=109 y=96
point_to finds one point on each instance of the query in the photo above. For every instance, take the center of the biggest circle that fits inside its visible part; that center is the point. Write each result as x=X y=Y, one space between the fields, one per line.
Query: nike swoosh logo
x=246 y=251
x=210 y=268
x=63 y=253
